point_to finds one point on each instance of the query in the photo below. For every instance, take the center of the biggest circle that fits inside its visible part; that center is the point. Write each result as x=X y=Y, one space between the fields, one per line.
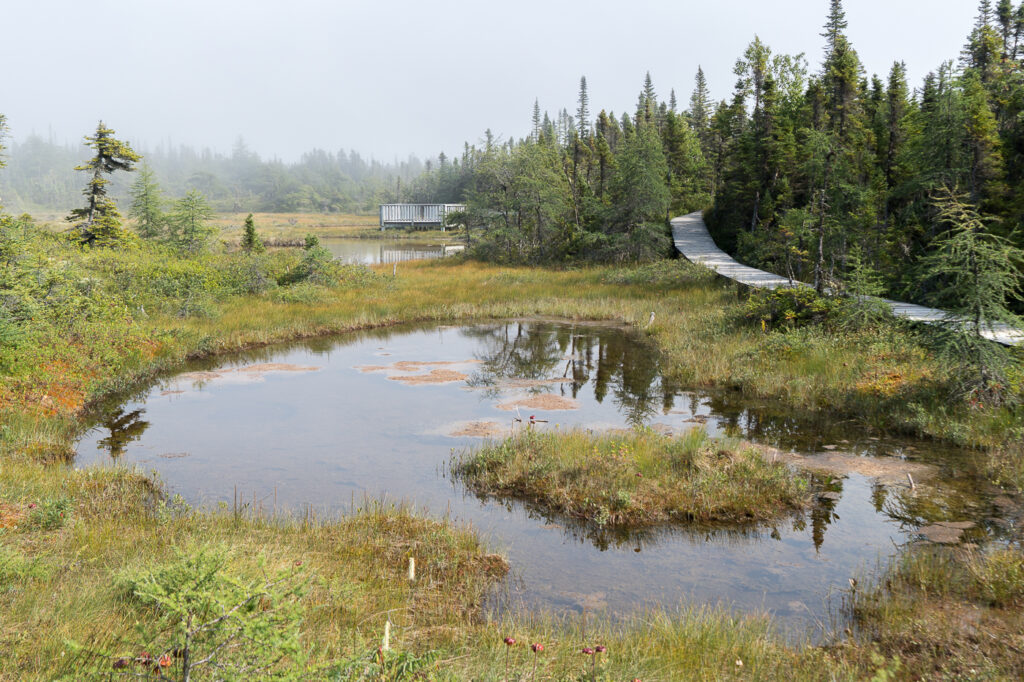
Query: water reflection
x=613 y=361
x=124 y=428
x=325 y=437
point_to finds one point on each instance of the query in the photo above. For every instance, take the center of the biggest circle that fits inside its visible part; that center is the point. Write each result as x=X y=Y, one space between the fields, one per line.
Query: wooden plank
x=694 y=242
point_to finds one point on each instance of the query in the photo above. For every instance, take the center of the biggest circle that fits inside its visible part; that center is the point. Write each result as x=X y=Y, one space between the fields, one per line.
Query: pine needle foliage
x=99 y=221
x=979 y=274
x=251 y=242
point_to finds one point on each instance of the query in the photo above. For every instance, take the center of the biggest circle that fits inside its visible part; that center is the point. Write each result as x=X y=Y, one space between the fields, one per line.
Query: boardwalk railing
x=693 y=241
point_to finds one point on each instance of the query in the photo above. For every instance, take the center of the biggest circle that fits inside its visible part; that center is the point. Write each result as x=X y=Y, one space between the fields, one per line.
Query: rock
x=941 y=534
x=831 y=495
x=958 y=525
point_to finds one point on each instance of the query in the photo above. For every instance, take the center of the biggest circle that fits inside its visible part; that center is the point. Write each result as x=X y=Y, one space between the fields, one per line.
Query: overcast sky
x=390 y=78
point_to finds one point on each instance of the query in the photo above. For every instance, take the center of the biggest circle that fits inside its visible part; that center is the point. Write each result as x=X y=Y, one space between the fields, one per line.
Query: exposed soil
x=247 y=373
x=436 y=376
x=480 y=430
x=542 y=402
x=532 y=383
x=885 y=470
x=413 y=365
x=275 y=367
x=946 y=532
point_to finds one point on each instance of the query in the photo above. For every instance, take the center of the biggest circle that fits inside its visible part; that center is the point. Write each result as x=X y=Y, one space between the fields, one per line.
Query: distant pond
x=375 y=251
x=333 y=421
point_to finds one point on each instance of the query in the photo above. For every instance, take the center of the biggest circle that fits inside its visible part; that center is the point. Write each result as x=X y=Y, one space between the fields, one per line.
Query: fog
x=392 y=78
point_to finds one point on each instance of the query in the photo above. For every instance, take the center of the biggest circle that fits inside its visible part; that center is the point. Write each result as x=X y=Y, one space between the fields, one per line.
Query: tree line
x=40 y=177
x=825 y=175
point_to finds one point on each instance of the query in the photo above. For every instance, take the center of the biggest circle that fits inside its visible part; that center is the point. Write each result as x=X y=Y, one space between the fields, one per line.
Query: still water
x=374 y=251
x=345 y=418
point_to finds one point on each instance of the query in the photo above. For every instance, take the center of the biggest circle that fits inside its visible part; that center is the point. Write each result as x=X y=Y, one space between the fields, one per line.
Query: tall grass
x=76 y=530
x=636 y=478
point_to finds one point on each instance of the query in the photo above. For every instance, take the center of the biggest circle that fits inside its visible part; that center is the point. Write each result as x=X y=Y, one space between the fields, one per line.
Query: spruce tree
x=583 y=110
x=147 y=205
x=191 y=231
x=1005 y=14
x=980 y=274
x=251 y=242
x=700 y=108
x=536 y=120
x=99 y=222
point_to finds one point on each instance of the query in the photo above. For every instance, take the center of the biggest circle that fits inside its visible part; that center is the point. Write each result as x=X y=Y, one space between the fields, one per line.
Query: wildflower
x=509 y=641
x=537 y=648
x=739 y=663
x=298 y=562
x=120 y=663
x=165 y=661
x=587 y=651
x=31 y=505
x=600 y=649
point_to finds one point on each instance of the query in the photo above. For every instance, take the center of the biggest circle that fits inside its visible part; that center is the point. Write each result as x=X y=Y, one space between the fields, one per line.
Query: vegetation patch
x=636 y=479
x=947 y=613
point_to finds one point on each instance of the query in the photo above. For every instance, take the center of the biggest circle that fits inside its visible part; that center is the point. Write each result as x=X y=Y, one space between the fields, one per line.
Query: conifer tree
x=99 y=222
x=980 y=274
x=251 y=242
x=583 y=110
x=147 y=205
x=191 y=231
x=536 y=120
x=1005 y=14
x=700 y=109
x=984 y=45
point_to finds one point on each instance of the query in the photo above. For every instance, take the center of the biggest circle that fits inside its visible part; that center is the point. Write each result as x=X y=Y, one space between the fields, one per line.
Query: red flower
x=600 y=649
x=165 y=661
x=537 y=648
x=588 y=651
x=509 y=641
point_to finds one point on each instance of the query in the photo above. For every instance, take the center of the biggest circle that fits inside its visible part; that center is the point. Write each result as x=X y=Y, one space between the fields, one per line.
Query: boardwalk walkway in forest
x=693 y=241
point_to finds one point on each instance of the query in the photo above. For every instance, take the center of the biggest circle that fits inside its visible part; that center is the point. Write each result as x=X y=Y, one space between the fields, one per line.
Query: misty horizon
x=438 y=75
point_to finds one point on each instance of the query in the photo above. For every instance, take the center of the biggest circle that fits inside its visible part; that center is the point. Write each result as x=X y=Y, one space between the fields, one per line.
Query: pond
x=331 y=422
x=374 y=251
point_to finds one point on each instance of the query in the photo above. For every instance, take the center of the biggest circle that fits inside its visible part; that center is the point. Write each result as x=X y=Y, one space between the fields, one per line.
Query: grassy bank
x=82 y=324
x=635 y=479
x=948 y=614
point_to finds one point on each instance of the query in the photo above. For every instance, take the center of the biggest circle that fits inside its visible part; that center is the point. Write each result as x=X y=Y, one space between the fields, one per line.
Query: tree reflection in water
x=612 y=360
x=124 y=427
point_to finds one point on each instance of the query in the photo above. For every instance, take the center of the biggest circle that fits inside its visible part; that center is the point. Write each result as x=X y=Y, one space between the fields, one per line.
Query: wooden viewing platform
x=416 y=215
x=694 y=242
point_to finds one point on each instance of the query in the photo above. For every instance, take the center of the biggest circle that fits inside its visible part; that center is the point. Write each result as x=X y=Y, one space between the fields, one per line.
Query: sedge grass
x=58 y=576
x=634 y=479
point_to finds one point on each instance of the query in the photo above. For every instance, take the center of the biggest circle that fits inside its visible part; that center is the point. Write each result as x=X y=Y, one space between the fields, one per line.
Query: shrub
x=208 y=618
x=790 y=307
x=662 y=274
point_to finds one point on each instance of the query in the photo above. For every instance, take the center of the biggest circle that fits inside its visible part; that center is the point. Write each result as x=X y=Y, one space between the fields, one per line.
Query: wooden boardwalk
x=693 y=241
